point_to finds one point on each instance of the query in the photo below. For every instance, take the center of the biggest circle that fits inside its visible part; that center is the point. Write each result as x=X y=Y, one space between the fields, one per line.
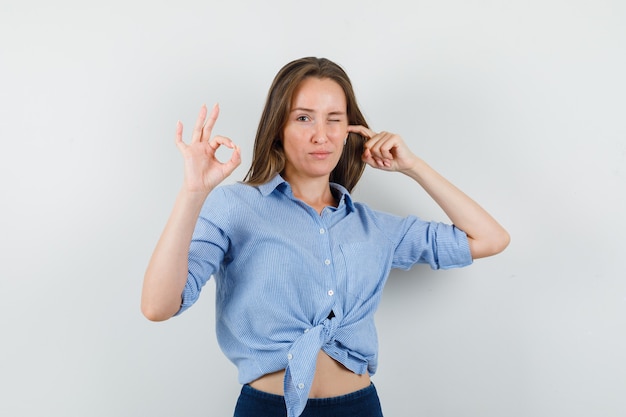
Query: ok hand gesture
x=203 y=171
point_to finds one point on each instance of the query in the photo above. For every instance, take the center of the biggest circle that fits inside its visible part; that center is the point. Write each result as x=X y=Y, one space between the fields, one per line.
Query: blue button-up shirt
x=280 y=268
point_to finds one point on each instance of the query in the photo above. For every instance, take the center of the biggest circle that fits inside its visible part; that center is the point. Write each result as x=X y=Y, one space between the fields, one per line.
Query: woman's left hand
x=384 y=150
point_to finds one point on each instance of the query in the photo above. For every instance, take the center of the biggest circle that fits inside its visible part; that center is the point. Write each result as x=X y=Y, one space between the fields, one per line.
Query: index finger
x=361 y=130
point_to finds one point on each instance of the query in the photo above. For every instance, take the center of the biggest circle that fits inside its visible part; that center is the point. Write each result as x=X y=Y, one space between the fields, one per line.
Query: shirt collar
x=278 y=182
x=345 y=195
x=267 y=188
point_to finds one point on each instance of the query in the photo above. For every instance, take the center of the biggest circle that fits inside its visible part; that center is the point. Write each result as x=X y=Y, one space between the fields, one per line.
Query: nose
x=319 y=133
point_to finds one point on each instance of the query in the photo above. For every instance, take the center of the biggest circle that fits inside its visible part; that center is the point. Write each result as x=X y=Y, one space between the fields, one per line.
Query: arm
x=167 y=270
x=486 y=237
x=388 y=152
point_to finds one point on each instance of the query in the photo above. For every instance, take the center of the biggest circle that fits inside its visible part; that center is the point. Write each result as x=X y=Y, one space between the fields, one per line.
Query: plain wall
x=519 y=103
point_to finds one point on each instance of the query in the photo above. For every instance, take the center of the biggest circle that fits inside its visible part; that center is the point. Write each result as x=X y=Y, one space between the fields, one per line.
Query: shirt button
x=322 y=231
x=300 y=385
x=327 y=261
x=290 y=356
x=331 y=292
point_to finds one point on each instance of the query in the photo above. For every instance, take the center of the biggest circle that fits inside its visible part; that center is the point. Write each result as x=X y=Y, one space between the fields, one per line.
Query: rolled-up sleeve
x=440 y=245
x=209 y=244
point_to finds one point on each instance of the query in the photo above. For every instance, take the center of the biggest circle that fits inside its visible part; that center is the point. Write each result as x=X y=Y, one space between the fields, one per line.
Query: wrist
x=190 y=197
x=414 y=168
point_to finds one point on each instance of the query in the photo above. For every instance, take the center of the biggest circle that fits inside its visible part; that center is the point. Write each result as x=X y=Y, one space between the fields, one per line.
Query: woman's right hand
x=203 y=171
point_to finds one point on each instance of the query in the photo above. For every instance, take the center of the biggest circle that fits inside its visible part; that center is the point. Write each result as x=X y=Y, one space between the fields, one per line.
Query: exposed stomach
x=331 y=379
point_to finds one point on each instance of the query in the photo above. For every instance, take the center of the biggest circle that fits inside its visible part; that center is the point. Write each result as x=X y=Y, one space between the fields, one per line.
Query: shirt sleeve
x=442 y=246
x=209 y=245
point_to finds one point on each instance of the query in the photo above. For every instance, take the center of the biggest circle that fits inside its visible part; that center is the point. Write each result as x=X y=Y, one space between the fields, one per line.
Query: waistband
x=355 y=396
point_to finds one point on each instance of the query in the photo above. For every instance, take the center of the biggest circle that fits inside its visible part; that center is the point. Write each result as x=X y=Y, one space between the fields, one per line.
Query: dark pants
x=362 y=403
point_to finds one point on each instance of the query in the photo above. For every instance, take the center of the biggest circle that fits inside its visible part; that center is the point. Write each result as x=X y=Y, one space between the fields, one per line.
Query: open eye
x=303 y=118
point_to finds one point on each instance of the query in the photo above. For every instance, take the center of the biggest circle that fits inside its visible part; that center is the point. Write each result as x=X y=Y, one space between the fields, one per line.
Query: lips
x=320 y=154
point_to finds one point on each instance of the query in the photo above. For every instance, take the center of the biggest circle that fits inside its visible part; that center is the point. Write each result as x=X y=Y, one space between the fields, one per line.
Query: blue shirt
x=280 y=268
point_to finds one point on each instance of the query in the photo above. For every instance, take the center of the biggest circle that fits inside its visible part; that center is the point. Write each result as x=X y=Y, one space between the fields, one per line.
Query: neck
x=314 y=192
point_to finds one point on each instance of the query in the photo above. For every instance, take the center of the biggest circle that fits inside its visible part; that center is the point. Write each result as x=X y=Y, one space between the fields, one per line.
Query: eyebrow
x=313 y=111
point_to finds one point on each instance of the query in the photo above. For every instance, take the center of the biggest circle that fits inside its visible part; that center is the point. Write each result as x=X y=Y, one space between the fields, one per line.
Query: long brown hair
x=268 y=158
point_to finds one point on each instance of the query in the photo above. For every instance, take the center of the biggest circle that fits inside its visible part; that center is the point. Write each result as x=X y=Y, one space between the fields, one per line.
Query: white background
x=519 y=103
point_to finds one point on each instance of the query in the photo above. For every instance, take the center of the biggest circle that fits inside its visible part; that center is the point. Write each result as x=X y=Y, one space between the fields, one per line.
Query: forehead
x=315 y=92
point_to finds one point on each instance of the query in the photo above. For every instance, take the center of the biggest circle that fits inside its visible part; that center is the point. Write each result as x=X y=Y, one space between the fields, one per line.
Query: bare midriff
x=331 y=379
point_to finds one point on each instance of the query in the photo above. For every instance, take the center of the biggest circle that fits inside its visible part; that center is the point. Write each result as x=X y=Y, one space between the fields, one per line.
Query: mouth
x=320 y=154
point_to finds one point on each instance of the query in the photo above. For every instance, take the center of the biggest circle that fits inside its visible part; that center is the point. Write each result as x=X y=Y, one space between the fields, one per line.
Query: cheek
x=339 y=130
x=296 y=132
x=292 y=139
x=290 y=135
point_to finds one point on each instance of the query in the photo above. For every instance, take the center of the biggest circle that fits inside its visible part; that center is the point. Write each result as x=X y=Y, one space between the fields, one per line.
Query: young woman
x=299 y=266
